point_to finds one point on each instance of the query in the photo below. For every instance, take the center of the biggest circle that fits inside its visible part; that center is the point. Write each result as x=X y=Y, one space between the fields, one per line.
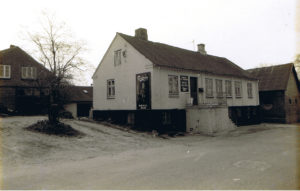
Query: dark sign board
x=184 y=83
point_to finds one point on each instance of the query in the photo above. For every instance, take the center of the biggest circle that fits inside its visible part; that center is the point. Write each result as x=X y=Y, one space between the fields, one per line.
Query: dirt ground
x=262 y=156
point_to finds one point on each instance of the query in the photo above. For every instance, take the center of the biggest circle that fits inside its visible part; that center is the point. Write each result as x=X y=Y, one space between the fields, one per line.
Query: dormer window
x=28 y=72
x=5 y=71
x=117 y=57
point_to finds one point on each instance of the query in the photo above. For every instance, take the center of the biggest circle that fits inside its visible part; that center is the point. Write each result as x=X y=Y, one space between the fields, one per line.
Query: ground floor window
x=249 y=90
x=209 y=87
x=238 y=89
x=111 y=89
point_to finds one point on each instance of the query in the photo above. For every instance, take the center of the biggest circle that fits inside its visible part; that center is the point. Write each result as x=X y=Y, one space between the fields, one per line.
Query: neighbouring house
x=22 y=89
x=279 y=93
x=80 y=101
x=162 y=87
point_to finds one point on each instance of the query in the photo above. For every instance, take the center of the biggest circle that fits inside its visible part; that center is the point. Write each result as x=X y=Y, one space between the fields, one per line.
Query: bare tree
x=58 y=51
x=297 y=64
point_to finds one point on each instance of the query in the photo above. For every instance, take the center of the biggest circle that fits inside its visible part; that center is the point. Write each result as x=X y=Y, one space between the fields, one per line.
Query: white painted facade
x=124 y=75
x=133 y=62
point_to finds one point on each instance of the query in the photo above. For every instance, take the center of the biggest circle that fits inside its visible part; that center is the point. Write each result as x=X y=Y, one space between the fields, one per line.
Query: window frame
x=209 y=93
x=4 y=69
x=250 y=90
x=218 y=92
x=173 y=85
x=29 y=74
x=228 y=88
x=238 y=85
x=117 y=57
x=111 y=89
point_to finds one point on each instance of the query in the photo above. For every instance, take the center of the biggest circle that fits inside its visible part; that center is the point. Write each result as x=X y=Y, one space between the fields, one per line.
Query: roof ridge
x=271 y=66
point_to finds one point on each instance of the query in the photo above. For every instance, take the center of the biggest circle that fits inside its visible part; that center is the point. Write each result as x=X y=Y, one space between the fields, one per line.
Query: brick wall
x=7 y=97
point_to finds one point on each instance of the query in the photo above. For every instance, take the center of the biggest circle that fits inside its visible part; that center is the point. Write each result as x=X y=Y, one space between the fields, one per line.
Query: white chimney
x=201 y=49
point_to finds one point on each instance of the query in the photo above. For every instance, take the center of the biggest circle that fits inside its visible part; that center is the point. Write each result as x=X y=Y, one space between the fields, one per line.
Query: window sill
x=209 y=96
x=238 y=97
x=2 y=78
x=110 y=97
x=228 y=96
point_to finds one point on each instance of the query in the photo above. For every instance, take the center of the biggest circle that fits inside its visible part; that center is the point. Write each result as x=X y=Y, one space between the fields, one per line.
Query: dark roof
x=16 y=58
x=169 y=56
x=81 y=93
x=274 y=77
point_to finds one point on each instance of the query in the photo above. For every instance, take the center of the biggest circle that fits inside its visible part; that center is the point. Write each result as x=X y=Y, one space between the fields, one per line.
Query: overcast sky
x=249 y=33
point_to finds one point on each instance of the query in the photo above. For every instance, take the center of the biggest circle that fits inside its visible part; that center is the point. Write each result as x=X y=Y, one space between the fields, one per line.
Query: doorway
x=193 y=90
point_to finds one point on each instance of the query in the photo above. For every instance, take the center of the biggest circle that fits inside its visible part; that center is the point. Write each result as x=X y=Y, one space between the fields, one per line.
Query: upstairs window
x=111 y=89
x=238 y=89
x=4 y=71
x=117 y=57
x=28 y=72
x=249 y=90
x=219 y=88
x=173 y=85
x=209 y=87
x=228 y=88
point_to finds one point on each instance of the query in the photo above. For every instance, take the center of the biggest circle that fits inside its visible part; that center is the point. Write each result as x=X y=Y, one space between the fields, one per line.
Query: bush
x=60 y=129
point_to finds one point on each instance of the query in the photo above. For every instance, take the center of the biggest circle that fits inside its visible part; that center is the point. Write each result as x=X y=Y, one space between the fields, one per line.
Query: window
x=228 y=88
x=117 y=57
x=28 y=73
x=238 y=89
x=173 y=85
x=209 y=87
x=111 y=89
x=249 y=90
x=4 y=71
x=219 y=88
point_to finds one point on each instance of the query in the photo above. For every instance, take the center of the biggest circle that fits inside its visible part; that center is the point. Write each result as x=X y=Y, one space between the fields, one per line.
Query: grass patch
x=59 y=129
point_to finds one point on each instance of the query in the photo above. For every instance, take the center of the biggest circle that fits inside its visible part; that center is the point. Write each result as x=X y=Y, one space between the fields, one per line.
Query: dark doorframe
x=143 y=91
x=193 y=89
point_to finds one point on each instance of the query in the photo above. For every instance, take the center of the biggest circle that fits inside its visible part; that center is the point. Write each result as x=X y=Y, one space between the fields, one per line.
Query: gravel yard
x=252 y=157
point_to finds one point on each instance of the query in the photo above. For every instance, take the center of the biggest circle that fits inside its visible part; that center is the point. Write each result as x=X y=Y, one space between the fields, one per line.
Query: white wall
x=72 y=107
x=124 y=76
x=203 y=120
x=160 y=90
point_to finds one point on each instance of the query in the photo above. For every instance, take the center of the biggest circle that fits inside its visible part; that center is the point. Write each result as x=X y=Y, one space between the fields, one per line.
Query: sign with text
x=184 y=83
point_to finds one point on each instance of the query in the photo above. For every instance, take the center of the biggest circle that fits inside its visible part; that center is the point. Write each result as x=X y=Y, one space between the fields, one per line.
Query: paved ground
x=253 y=157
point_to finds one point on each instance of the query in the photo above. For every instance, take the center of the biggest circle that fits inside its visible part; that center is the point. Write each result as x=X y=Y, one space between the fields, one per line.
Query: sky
x=250 y=33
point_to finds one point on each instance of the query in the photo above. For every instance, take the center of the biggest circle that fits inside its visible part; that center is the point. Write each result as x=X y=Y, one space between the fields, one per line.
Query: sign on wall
x=143 y=91
x=184 y=83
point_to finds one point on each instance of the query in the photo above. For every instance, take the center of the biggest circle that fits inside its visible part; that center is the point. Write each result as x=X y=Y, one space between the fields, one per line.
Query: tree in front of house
x=58 y=51
x=297 y=65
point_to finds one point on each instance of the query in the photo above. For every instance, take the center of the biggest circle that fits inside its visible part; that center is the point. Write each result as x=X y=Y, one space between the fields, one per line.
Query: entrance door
x=193 y=88
x=143 y=91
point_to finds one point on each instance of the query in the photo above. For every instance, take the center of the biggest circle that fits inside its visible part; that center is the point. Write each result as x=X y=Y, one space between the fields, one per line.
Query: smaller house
x=23 y=83
x=80 y=101
x=279 y=93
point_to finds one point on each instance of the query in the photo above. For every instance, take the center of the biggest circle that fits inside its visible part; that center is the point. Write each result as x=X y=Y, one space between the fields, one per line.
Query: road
x=253 y=157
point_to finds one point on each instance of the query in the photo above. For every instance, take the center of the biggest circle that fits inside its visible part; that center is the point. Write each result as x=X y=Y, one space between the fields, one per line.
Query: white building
x=165 y=87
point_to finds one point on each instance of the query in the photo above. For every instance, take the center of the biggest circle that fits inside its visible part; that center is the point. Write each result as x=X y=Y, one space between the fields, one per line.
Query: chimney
x=201 y=49
x=141 y=34
x=12 y=46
